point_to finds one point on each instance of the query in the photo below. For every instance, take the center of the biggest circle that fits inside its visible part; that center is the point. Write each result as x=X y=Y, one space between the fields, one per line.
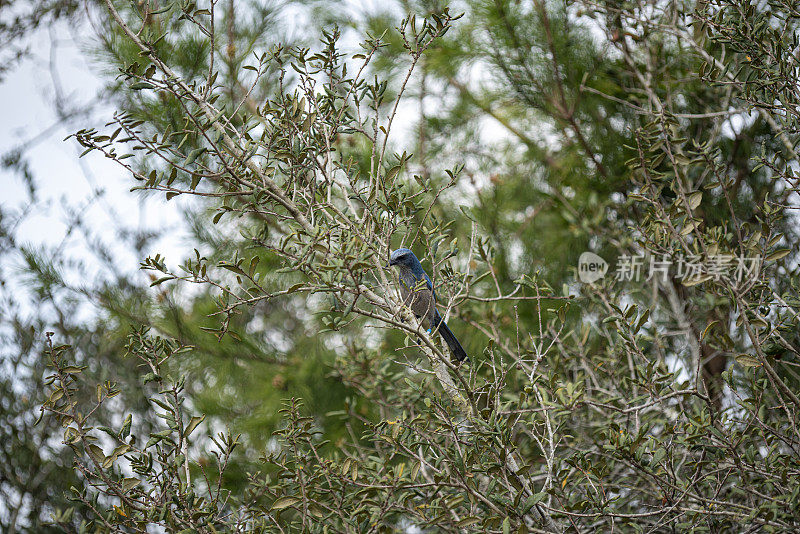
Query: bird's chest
x=417 y=297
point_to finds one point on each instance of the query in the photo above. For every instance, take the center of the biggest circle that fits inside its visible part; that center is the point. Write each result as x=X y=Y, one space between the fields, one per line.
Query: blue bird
x=418 y=294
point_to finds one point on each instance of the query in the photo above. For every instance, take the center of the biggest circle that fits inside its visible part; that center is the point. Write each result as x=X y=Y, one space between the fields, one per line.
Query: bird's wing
x=429 y=284
x=418 y=278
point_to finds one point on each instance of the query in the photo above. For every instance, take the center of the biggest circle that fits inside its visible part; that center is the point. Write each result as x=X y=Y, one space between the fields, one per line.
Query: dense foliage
x=273 y=381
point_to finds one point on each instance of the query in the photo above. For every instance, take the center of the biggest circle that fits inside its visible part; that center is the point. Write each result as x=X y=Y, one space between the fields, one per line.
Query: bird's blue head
x=403 y=257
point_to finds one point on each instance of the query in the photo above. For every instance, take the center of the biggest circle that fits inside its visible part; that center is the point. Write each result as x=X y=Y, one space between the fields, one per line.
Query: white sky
x=65 y=183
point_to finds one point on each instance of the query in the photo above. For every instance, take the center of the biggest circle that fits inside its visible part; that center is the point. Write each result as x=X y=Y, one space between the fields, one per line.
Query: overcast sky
x=93 y=187
x=60 y=74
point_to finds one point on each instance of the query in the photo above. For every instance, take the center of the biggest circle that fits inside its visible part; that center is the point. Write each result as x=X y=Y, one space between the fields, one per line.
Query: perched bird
x=418 y=294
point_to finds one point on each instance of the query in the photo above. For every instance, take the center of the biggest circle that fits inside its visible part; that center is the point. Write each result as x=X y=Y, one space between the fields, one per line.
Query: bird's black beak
x=392 y=262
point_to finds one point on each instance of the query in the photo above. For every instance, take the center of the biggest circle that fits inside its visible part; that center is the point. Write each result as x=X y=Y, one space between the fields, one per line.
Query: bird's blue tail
x=452 y=342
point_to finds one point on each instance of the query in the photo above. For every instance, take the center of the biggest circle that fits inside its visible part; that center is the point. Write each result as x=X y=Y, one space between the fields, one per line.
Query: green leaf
x=777 y=254
x=126 y=427
x=295 y=287
x=161 y=280
x=194 y=154
x=233 y=268
x=96 y=453
x=689 y=282
x=122 y=449
x=193 y=424
x=695 y=199
x=642 y=320
x=691 y=225
x=745 y=360
x=706 y=330
x=130 y=483
x=154 y=438
x=285 y=502
x=150 y=377
x=392 y=173
x=532 y=501
x=253 y=265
